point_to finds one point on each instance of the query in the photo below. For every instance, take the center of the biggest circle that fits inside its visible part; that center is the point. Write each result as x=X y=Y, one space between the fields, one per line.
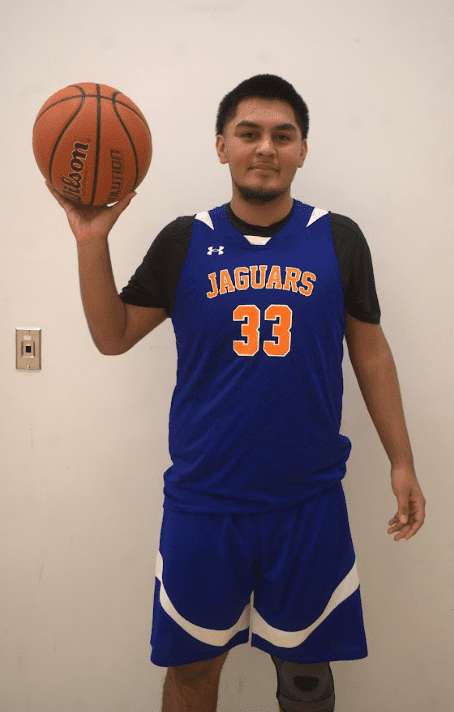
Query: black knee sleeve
x=304 y=688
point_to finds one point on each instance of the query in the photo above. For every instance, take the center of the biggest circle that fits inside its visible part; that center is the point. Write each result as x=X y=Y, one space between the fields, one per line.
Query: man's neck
x=263 y=214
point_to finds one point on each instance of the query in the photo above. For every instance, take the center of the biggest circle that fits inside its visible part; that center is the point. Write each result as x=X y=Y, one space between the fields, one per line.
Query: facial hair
x=251 y=195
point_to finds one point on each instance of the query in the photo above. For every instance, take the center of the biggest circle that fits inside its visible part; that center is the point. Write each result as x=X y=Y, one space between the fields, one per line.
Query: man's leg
x=193 y=687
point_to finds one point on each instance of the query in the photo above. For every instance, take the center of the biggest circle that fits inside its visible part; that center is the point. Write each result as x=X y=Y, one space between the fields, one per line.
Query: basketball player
x=261 y=292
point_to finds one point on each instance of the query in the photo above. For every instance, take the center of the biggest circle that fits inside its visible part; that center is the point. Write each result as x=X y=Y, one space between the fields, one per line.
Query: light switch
x=28 y=349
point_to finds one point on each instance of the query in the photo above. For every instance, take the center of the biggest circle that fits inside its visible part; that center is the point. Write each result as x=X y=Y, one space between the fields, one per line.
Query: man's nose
x=266 y=146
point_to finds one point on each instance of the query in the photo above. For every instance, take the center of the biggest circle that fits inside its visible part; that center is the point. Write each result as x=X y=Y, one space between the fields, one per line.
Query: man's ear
x=221 y=148
x=303 y=155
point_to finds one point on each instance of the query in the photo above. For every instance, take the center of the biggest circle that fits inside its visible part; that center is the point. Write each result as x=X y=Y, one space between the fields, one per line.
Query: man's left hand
x=411 y=503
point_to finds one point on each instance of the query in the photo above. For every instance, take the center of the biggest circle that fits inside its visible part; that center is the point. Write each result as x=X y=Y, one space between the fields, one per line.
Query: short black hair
x=268 y=86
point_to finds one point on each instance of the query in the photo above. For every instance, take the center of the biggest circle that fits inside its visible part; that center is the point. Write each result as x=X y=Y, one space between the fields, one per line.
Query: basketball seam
x=58 y=102
x=89 y=96
x=98 y=141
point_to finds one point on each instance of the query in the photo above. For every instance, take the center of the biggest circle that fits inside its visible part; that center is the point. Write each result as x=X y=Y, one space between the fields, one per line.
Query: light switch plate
x=28 y=349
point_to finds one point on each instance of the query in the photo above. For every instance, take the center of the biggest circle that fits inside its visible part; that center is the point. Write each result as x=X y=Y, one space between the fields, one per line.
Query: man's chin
x=254 y=195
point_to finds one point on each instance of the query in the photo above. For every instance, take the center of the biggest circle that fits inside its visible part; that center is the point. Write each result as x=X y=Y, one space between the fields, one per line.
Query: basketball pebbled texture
x=92 y=143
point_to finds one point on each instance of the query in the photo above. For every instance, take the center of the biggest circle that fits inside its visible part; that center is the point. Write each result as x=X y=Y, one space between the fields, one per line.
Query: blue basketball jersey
x=255 y=415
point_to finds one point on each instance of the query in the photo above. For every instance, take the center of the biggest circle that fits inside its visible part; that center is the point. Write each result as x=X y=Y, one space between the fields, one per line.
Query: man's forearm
x=379 y=385
x=103 y=307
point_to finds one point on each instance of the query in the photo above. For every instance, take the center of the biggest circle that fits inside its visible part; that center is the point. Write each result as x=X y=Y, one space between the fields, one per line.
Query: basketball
x=92 y=143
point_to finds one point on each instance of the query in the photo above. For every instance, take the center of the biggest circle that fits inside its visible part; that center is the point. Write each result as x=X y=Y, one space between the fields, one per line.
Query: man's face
x=264 y=148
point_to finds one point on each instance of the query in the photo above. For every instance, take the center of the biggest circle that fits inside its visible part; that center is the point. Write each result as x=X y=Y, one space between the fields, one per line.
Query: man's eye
x=281 y=137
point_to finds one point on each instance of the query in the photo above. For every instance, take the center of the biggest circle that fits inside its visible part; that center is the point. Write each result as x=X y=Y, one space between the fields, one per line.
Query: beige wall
x=84 y=441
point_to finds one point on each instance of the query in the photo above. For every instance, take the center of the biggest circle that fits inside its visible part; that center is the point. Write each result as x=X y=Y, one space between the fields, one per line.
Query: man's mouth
x=265 y=167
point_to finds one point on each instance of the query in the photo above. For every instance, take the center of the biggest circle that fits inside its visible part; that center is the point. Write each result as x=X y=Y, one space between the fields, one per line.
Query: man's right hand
x=89 y=222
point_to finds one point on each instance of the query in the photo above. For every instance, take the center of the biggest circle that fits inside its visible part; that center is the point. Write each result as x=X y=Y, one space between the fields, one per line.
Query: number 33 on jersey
x=251 y=313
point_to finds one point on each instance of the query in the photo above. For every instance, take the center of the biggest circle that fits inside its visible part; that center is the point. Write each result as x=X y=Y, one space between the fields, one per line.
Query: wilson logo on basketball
x=72 y=181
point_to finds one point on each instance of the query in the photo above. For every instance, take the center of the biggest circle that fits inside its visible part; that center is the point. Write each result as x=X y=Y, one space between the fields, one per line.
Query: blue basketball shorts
x=288 y=576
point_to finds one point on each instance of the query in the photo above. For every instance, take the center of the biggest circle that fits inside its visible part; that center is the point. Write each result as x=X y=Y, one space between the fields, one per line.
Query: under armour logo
x=219 y=250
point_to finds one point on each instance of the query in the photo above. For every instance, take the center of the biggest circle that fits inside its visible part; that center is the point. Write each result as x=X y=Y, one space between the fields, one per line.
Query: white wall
x=84 y=441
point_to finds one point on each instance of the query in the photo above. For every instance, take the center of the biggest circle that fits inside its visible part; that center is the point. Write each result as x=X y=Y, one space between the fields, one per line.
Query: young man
x=261 y=292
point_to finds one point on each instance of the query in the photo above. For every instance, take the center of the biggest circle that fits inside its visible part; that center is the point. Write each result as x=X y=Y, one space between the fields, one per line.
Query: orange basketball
x=92 y=143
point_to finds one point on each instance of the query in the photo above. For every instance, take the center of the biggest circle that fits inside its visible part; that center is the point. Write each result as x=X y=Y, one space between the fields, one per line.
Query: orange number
x=282 y=330
x=251 y=329
x=250 y=314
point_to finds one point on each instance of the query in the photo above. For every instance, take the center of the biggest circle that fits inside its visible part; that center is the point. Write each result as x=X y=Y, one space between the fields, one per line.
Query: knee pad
x=304 y=688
